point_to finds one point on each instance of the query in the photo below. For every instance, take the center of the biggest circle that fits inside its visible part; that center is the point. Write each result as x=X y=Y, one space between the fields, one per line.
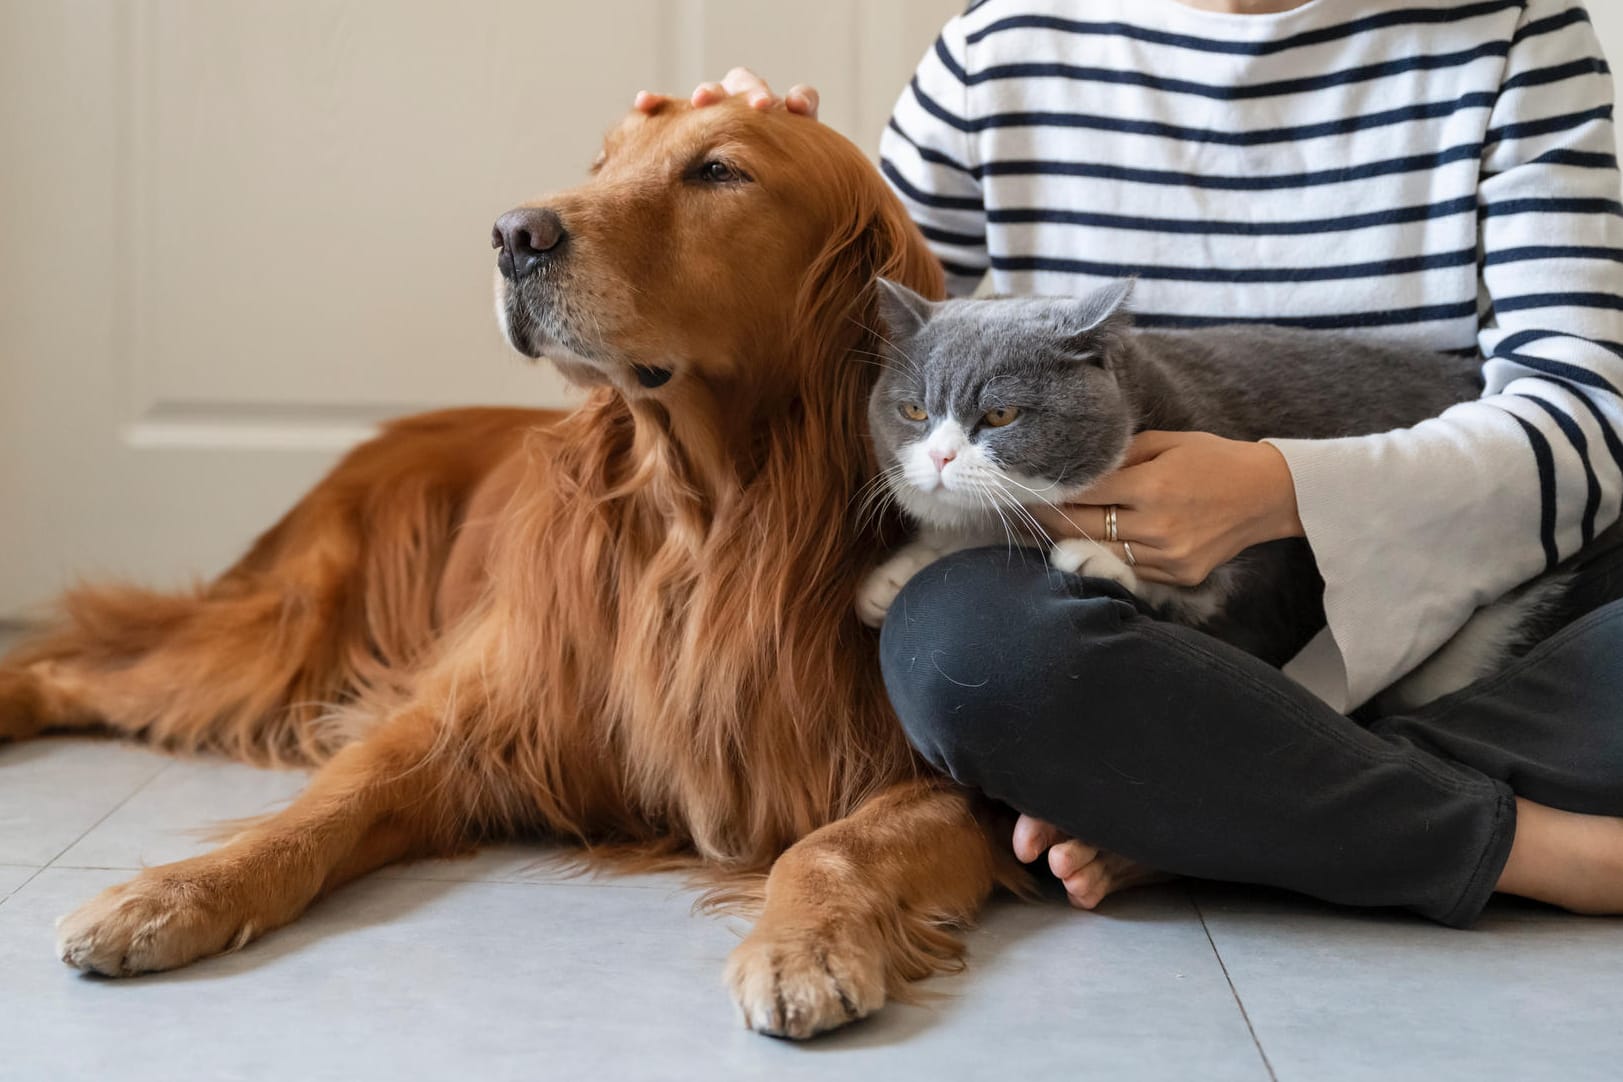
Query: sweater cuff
x=1369 y=518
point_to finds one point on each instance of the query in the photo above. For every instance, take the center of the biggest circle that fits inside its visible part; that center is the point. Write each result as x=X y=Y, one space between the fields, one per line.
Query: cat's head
x=984 y=403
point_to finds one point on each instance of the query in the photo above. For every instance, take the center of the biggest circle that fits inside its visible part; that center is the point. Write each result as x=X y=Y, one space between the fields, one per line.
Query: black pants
x=1057 y=696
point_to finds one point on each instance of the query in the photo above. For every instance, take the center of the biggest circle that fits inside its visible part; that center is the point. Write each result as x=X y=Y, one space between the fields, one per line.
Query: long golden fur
x=629 y=625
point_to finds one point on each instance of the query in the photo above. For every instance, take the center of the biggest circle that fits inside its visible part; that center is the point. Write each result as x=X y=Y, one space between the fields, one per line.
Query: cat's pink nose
x=941 y=458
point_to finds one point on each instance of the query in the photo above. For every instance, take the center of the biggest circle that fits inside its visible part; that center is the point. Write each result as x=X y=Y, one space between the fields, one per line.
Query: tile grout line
x=131 y=795
x=4 y=898
x=1233 y=991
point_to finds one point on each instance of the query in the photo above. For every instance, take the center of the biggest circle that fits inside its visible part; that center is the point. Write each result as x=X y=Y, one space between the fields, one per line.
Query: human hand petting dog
x=801 y=99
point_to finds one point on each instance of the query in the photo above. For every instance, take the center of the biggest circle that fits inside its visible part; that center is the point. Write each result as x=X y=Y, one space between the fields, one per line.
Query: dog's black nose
x=527 y=237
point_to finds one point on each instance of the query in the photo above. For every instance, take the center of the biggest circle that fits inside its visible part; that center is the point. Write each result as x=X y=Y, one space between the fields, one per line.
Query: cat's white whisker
x=985 y=496
x=875 y=495
x=874 y=482
x=1037 y=492
x=1029 y=519
x=880 y=361
x=1015 y=544
x=918 y=369
x=1059 y=508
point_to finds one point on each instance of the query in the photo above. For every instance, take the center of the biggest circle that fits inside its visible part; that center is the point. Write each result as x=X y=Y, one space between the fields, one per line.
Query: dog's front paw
x=876 y=593
x=156 y=921
x=798 y=983
x=1079 y=556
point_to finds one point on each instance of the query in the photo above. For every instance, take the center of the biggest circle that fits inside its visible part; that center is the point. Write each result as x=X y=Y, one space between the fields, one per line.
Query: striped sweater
x=1442 y=174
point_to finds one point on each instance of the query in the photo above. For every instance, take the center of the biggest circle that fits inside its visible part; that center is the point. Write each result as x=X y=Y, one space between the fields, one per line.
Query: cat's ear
x=1102 y=306
x=1093 y=321
x=901 y=310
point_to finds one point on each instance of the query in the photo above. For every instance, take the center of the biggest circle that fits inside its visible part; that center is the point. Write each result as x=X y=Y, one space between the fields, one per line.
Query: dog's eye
x=998 y=416
x=718 y=172
x=913 y=411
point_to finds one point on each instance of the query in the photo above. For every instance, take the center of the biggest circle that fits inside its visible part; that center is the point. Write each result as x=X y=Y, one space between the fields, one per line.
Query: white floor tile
x=13 y=876
x=169 y=819
x=52 y=791
x=1340 y=995
x=409 y=979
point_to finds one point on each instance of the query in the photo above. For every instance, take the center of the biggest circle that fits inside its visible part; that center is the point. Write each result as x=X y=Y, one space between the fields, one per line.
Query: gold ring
x=1127 y=550
x=1110 y=524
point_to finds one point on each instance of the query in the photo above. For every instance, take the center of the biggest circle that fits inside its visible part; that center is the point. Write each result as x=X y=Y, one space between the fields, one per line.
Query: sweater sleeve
x=1417 y=528
x=926 y=154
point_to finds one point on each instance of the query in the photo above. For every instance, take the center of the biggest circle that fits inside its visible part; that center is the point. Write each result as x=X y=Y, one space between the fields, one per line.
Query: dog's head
x=721 y=246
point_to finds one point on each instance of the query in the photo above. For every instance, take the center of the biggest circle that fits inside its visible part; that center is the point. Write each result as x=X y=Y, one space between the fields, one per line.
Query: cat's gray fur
x=1085 y=381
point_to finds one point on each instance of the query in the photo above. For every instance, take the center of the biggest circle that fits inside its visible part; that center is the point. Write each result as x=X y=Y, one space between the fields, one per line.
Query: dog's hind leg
x=859 y=908
x=222 y=669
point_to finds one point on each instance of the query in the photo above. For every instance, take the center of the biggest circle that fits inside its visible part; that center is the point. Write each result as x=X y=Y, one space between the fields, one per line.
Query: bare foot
x=1090 y=875
x=1566 y=859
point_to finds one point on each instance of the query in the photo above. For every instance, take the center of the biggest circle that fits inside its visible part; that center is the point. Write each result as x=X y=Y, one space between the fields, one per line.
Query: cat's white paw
x=875 y=595
x=1079 y=556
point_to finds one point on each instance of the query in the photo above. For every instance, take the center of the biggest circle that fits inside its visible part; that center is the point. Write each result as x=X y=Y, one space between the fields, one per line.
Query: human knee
x=976 y=646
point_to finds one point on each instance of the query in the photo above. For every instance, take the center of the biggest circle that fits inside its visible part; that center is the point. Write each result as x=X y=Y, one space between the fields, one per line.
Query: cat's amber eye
x=998 y=416
x=913 y=411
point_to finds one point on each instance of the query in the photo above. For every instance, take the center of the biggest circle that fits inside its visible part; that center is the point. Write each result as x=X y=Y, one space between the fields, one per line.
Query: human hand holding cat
x=1188 y=502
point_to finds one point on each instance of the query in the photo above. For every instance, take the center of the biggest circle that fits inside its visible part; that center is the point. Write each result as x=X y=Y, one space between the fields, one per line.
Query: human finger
x=648 y=102
x=1169 y=572
x=1098 y=520
x=1139 y=556
x=1149 y=444
x=1126 y=487
x=708 y=94
x=1158 y=576
x=752 y=86
x=803 y=99
x=1064 y=520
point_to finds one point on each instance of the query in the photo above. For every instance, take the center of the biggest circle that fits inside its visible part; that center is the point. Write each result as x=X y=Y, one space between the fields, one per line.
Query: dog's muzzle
x=528 y=238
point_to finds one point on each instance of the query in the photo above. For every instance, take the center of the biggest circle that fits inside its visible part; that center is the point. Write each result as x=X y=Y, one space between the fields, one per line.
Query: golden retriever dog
x=628 y=626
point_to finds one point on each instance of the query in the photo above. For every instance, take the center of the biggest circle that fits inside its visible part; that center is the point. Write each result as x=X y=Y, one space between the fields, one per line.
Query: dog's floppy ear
x=903 y=256
x=875 y=240
x=901 y=311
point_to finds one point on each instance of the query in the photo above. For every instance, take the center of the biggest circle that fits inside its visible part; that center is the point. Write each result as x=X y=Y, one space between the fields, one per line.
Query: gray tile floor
x=494 y=968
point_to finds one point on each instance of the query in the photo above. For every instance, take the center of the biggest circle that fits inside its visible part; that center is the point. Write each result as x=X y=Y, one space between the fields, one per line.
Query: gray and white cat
x=986 y=408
